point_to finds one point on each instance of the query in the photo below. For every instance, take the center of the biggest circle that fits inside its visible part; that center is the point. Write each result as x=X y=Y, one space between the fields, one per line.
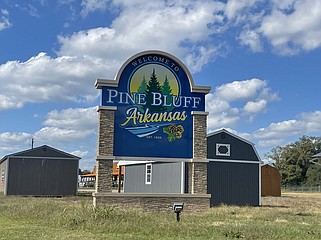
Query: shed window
x=223 y=149
x=148 y=177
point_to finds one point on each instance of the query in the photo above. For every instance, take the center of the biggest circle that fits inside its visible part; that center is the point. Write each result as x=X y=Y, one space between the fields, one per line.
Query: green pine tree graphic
x=153 y=87
x=166 y=90
x=143 y=86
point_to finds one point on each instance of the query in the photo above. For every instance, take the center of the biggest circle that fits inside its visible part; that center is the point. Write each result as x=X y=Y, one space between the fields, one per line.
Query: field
x=292 y=216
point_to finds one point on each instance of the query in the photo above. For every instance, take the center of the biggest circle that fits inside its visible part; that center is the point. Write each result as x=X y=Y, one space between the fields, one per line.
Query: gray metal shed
x=41 y=171
x=233 y=171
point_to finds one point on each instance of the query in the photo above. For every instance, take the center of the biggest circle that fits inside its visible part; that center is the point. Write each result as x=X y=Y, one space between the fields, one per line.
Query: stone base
x=152 y=202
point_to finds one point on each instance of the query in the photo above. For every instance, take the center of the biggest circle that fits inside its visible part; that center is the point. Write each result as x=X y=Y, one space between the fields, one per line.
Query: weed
x=234 y=234
x=292 y=216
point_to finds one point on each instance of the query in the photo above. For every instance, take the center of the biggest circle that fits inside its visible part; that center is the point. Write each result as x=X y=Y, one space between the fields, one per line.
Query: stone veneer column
x=197 y=171
x=105 y=149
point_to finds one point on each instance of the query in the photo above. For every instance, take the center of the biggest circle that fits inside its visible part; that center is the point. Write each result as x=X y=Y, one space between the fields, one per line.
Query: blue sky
x=261 y=59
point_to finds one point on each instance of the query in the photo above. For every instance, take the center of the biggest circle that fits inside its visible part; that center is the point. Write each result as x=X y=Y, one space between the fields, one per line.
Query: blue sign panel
x=154 y=103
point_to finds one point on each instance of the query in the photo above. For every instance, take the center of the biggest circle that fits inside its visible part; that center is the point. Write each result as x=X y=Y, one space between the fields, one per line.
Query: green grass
x=292 y=216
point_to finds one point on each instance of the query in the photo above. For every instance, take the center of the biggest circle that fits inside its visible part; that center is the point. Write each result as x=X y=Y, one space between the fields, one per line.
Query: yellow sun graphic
x=161 y=72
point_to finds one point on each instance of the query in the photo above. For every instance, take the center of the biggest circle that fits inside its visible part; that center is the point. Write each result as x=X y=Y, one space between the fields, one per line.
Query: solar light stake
x=177 y=216
x=178 y=207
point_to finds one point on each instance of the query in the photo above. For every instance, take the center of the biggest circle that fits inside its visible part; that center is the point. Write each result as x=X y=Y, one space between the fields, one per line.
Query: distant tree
x=314 y=175
x=85 y=172
x=153 y=87
x=292 y=160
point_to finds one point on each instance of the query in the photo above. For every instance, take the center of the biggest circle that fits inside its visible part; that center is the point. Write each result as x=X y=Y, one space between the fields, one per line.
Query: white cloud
x=234 y=7
x=44 y=79
x=68 y=125
x=14 y=141
x=42 y=2
x=71 y=130
x=98 y=53
x=90 y=6
x=252 y=39
x=222 y=120
x=65 y=2
x=221 y=114
x=94 y=42
x=201 y=56
x=28 y=8
x=277 y=133
x=255 y=106
x=281 y=133
x=289 y=26
x=271 y=142
x=233 y=101
x=7 y=137
x=74 y=130
x=296 y=31
x=79 y=153
x=4 y=19
x=285 y=129
x=312 y=121
x=33 y=11
x=148 y=25
x=284 y=5
x=7 y=102
x=73 y=118
x=241 y=90
x=54 y=134
x=215 y=104
x=186 y=29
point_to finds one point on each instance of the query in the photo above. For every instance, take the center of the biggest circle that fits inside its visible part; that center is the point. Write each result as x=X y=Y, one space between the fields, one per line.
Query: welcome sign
x=155 y=98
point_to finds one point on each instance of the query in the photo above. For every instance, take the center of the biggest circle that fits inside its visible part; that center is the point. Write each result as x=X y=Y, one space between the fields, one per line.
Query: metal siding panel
x=2 y=181
x=69 y=176
x=3 y=170
x=11 y=177
x=135 y=179
x=40 y=177
x=24 y=177
x=211 y=147
x=141 y=172
x=127 y=177
x=240 y=150
x=176 y=175
x=158 y=177
x=233 y=183
x=186 y=178
x=165 y=178
x=44 y=152
x=127 y=181
x=60 y=177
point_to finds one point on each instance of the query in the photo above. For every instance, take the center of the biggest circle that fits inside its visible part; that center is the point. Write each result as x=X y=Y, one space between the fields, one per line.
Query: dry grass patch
x=292 y=216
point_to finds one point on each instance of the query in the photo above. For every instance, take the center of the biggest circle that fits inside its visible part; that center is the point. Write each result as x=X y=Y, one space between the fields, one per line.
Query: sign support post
x=104 y=161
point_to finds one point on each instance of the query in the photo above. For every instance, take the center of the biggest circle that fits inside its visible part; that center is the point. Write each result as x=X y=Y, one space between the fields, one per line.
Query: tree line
x=293 y=162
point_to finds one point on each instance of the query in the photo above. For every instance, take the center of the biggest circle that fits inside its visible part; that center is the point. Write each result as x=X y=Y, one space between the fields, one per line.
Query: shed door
x=233 y=183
